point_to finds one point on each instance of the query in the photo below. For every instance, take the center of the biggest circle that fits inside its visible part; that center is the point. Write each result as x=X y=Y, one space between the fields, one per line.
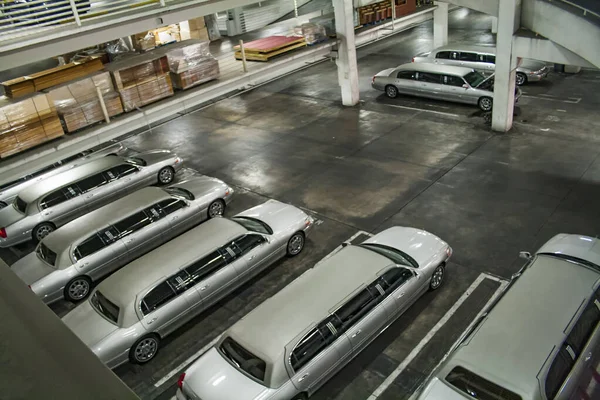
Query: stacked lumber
x=24 y=85
x=271 y=46
x=141 y=79
x=78 y=103
x=190 y=63
x=26 y=123
x=381 y=11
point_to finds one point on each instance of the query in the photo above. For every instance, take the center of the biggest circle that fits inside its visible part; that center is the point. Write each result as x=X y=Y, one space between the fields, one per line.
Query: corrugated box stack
x=26 y=123
x=54 y=76
x=313 y=33
x=145 y=41
x=78 y=104
x=141 y=79
x=191 y=63
x=193 y=29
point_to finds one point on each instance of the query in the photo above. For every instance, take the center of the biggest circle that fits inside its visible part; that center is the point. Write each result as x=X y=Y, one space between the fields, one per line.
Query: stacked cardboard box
x=194 y=29
x=26 y=123
x=190 y=63
x=78 y=104
x=378 y=12
x=51 y=77
x=141 y=79
x=145 y=41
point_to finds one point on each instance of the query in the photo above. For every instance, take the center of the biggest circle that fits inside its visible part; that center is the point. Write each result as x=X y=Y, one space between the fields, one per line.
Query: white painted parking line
x=203 y=350
x=547 y=97
x=390 y=379
x=422 y=109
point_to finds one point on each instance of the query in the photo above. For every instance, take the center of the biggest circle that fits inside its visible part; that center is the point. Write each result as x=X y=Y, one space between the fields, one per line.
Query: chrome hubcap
x=216 y=208
x=520 y=79
x=296 y=244
x=391 y=91
x=438 y=275
x=166 y=175
x=486 y=104
x=79 y=289
x=146 y=349
x=43 y=231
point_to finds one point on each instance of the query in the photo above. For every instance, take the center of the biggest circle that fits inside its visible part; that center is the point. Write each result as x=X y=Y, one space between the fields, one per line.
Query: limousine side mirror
x=525 y=255
x=465 y=86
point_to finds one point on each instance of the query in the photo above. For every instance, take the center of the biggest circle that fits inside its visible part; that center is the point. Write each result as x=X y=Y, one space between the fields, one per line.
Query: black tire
x=216 y=208
x=296 y=244
x=78 y=289
x=166 y=175
x=437 y=279
x=141 y=356
x=486 y=103
x=300 y=396
x=391 y=91
x=41 y=231
x=521 y=79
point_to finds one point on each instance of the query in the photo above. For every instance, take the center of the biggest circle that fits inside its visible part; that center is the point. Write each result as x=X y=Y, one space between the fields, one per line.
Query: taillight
x=180 y=381
x=413 y=59
x=177 y=160
x=449 y=251
x=373 y=80
x=3 y=233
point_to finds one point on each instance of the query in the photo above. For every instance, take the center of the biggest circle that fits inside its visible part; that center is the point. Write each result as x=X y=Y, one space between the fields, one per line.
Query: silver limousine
x=440 y=82
x=10 y=187
x=132 y=310
x=47 y=205
x=482 y=59
x=291 y=344
x=67 y=261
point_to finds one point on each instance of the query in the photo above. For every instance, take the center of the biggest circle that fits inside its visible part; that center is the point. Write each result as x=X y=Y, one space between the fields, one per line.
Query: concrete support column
x=509 y=20
x=494 y=24
x=440 y=25
x=346 y=61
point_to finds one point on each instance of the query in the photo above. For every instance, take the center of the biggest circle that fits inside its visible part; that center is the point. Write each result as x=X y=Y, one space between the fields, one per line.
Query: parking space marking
x=392 y=377
x=204 y=349
x=549 y=97
x=422 y=109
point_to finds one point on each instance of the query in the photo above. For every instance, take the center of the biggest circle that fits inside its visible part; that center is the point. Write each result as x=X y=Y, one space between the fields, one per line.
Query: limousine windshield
x=179 y=192
x=46 y=254
x=136 y=161
x=395 y=255
x=243 y=359
x=253 y=225
x=105 y=307
x=474 y=78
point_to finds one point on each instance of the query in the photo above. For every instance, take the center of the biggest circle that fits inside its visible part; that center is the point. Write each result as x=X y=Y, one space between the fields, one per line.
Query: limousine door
x=219 y=282
x=69 y=207
x=142 y=232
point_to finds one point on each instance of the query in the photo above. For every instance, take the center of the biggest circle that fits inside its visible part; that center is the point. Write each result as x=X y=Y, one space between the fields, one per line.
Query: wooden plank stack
x=190 y=63
x=141 y=79
x=381 y=11
x=78 y=104
x=24 y=85
x=27 y=122
x=271 y=46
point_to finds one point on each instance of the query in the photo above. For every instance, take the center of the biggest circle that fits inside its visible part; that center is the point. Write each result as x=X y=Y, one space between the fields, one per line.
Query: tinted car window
x=468 y=56
x=253 y=224
x=20 y=205
x=120 y=171
x=243 y=359
x=490 y=59
x=248 y=242
x=109 y=235
x=46 y=254
x=180 y=282
x=453 y=81
x=132 y=223
x=584 y=327
x=558 y=372
x=91 y=182
x=443 y=55
x=105 y=307
x=171 y=205
x=60 y=196
x=206 y=266
x=356 y=308
x=454 y=55
x=88 y=247
x=477 y=387
x=393 y=279
x=158 y=296
x=429 y=77
x=311 y=345
x=406 y=75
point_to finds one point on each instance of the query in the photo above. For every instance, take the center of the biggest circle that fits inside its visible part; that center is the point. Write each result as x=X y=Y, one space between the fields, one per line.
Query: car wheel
x=42 y=230
x=166 y=175
x=300 y=396
x=78 y=289
x=521 y=79
x=437 y=278
x=144 y=349
x=295 y=244
x=216 y=208
x=391 y=91
x=486 y=103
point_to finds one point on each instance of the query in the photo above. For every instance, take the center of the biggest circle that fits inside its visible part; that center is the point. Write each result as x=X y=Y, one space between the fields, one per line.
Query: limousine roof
x=35 y=191
x=467 y=48
x=123 y=287
x=82 y=227
x=270 y=327
x=435 y=68
x=512 y=344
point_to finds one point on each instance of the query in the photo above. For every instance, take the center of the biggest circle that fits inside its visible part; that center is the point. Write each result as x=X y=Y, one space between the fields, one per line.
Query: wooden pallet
x=270 y=44
x=262 y=56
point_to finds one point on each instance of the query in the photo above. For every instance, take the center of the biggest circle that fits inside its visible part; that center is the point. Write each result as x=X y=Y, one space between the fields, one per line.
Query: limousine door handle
x=129 y=241
x=356 y=333
x=204 y=287
x=152 y=320
x=89 y=196
x=303 y=377
x=588 y=357
x=251 y=257
x=174 y=218
x=48 y=212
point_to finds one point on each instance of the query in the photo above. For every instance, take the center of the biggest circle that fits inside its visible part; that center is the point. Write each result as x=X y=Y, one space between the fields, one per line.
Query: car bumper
x=120 y=359
x=180 y=396
x=52 y=297
x=538 y=76
x=378 y=86
x=14 y=240
x=309 y=227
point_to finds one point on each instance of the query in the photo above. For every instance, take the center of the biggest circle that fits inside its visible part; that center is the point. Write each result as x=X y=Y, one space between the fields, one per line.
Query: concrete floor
x=407 y=161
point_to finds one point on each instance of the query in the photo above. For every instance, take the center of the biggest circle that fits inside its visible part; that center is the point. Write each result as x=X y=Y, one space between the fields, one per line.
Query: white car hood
x=437 y=390
x=211 y=377
x=279 y=216
x=90 y=327
x=420 y=245
x=31 y=269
